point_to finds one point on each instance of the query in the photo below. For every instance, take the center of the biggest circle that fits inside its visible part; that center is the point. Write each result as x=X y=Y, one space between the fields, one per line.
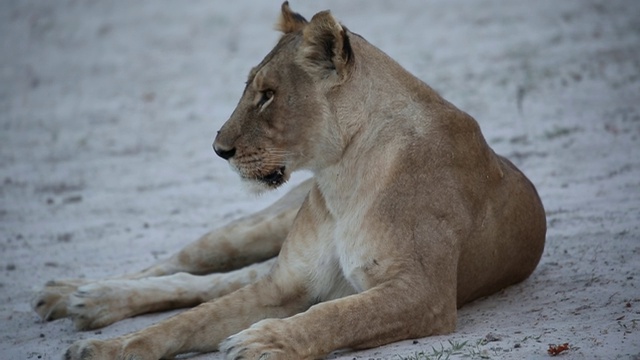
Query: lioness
x=409 y=215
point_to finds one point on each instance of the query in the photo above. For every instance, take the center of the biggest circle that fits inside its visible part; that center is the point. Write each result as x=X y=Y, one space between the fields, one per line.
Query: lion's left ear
x=325 y=51
x=290 y=21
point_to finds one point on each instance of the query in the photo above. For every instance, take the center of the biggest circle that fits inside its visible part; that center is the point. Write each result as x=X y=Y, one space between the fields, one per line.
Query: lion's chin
x=274 y=178
x=270 y=181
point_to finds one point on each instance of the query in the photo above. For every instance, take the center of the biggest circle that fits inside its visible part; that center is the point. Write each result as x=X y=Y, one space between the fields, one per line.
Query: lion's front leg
x=372 y=318
x=401 y=296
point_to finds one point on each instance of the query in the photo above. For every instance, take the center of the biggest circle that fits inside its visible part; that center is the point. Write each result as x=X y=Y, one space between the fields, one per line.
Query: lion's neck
x=381 y=99
x=378 y=113
x=363 y=170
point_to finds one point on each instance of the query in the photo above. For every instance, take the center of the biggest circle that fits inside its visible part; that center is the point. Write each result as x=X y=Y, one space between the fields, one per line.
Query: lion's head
x=283 y=121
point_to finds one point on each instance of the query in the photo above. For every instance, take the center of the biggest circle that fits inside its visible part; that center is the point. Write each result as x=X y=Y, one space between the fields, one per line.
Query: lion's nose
x=223 y=153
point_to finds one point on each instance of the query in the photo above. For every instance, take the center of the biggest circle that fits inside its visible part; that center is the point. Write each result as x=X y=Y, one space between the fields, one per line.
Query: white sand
x=108 y=110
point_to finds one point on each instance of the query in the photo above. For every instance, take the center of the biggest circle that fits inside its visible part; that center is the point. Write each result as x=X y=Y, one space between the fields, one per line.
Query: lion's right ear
x=325 y=50
x=290 y=21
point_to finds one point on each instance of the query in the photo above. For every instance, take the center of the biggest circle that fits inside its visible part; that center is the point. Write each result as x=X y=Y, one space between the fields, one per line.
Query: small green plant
x=559 y=131
x=536 y=338
x=475 y=352
x=461 y=349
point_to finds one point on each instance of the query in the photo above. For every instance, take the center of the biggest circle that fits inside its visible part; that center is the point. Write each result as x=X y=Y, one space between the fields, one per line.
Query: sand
x=108 y=111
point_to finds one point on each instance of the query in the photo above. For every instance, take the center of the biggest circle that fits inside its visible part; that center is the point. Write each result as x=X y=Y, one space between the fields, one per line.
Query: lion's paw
x=96 y=350
x=52 y=302
x=260 y=342
x=122 y=348
x=99 y=304
x=90 y=305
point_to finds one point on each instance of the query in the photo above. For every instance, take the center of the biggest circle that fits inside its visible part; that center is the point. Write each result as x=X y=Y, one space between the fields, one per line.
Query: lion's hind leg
x=52 y=302
x=102 y=303
x=246 y=241
x=253 y=239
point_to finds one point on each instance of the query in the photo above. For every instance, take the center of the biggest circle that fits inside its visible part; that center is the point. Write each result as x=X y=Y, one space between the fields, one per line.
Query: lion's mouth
x=274 y=178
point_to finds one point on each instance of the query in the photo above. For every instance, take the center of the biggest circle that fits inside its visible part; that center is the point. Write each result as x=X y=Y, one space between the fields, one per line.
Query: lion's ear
x=325 y=50
x=290 y=21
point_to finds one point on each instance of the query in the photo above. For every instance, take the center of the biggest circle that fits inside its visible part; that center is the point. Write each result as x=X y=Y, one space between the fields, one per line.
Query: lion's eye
x=265 y=98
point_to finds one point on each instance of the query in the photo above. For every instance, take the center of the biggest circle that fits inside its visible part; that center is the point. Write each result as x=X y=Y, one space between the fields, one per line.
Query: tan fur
x=409 y=211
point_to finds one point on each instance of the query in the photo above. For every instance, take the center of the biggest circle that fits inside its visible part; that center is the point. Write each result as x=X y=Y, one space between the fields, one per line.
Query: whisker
x=277 y=151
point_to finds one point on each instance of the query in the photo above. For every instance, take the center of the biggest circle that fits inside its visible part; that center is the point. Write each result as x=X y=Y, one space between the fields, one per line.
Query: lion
x=408 y=216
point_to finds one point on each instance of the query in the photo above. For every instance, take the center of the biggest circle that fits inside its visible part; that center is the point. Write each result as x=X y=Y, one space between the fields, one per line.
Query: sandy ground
x=108 y=110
